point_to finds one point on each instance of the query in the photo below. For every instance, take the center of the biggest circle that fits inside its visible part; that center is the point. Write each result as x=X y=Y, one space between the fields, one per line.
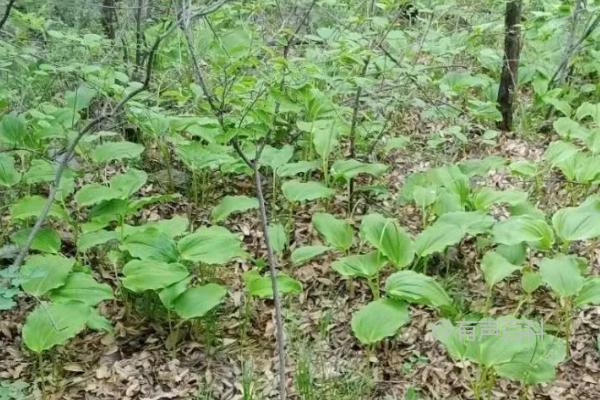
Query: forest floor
x=233 y=351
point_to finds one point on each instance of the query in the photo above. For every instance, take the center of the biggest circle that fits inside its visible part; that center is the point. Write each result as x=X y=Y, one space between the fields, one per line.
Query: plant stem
x=276 y=296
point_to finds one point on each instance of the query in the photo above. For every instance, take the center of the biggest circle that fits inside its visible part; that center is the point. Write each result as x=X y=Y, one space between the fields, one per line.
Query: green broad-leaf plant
x=67 y=296
x=506 y=347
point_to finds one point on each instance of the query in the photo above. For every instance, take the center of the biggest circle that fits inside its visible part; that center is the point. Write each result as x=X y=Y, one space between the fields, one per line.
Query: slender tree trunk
x=139 y=34
x=510 y=67
x=109 y=13
x=4 y=17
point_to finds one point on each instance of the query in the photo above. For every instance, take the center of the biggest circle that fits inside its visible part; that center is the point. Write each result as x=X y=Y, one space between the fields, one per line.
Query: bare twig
x=353 y=128
x=571 y=50
x=9 y=7
x=89 y=127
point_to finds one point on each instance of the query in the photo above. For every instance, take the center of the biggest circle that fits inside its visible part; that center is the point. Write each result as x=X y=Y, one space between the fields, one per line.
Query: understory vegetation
x=310 y=199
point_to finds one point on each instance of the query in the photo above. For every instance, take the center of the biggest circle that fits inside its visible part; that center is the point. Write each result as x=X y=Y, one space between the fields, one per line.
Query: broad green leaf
x=278 y=237
x=348 y=169
x=81 y=287
x=40 y=171
x=46 y=240
x=275 y=158
x=305 y=191
x=486 y=197
x=197 y=301
x=569 y=129
x=389 y=238
x=336 y=232
x=490 y=349
x=137 y=204
x=40 y=274
x=128 y=183
x=261 y=286
x=324 y=134
x=214 y=245
x=526 y=208
x=151 y=244
x=424 y=196
x=396 y=143
x=197 y=156
x=169 y=294
x=95 y=238
x=112 y=151
x=9 y=176
x=53 y=324
x=296 y=168
x=470 y=222
x=560 y=151
x=379 y=319
x=363 y=265
x=141 y=275
x=524 y=229
x=496 y=268
x=453 y=179
x=523 y=168
x=303 y=254
x=515 y=254
x=94 y=193
x=451 y=338
x=414 y=287
x=173 y=227
x=536 y=364
x=578 y=223
x=447 y=202
x=31 y=206
x=481 y=167
x=80 y=98
x=589 y=110
x=589 y=293
x=436 y=238
x=13 y=130
x=232 y=204
x=563 y=274
x=530 y=281
x=98 y=322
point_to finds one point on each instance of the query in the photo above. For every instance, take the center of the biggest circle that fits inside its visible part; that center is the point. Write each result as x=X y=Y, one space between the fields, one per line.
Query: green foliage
x=388 y=238
x=9 y=176
x=417 y=288
x=303 y=254
x=578 y=223
x=40 y=274
x=212 y=245
x=278 y=237
x=197 y=301
x=141 y=275
x=496 y=268
x=296 y=191
x=379 y=319
x=338 y=233
x=111 y=151
x=364 y=265
x=232 y=204
x=562 y=274
x=46 y=240
x=53 y=324
x=261 y=286
x=524 y=229
x=531 y=357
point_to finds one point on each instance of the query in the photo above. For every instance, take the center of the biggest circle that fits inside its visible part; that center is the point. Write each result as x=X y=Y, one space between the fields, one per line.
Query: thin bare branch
x=9 y=7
